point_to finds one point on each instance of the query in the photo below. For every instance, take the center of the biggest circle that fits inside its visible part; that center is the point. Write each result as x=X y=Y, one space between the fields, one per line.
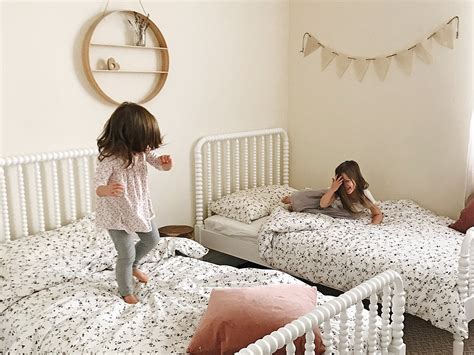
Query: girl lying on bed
x=347 y=197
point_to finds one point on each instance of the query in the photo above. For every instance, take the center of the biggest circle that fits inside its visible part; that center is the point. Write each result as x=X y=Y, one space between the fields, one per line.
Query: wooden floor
x=420 y=337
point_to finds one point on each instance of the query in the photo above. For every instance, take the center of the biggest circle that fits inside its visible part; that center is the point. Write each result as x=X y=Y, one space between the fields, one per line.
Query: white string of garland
x=444 y=36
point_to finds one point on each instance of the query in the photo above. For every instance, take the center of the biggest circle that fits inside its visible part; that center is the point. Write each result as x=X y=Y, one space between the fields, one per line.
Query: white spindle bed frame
x=267 y=163
x=44 y=191
x=390 y=339
x=258 y=158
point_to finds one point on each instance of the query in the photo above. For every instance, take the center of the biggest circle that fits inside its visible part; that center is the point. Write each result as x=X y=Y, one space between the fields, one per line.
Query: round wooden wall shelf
x=107 y=65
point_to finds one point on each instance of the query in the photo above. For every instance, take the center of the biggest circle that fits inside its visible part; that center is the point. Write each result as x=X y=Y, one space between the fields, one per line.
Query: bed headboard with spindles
x=44 y=191
x=226 y=163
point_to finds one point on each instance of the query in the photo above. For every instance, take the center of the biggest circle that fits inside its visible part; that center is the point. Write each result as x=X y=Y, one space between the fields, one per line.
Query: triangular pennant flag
x=360 y=66
x=428 y=44
x=381 y=66
x=342 y=63
x=422 y=51
x=311 y=45
x=449 y=34
x=439 y=36
x=445 y=36
x=405 y=60
x=327 y=55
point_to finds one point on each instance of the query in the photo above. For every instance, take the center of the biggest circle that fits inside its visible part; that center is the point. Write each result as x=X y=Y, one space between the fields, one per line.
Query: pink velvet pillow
x=466 y=219
x=237 y=317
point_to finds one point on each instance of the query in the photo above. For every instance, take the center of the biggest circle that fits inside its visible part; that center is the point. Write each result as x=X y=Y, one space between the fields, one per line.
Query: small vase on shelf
x=139 y=25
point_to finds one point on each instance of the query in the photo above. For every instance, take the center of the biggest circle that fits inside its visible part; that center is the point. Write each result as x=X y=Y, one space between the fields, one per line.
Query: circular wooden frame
x=163 y=48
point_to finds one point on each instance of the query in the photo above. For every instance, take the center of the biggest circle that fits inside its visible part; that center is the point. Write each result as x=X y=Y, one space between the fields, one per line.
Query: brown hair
x=352 y=170
x=131 y=129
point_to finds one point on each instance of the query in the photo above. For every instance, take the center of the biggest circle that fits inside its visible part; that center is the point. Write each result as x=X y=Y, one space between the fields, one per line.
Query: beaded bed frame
x=259 y=158
x=44 y=191
x=386 y=340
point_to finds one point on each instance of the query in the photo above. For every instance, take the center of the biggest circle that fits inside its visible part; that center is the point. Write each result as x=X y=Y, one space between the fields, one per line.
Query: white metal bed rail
x=57 y=176
x=238 y=161
x=391 y=335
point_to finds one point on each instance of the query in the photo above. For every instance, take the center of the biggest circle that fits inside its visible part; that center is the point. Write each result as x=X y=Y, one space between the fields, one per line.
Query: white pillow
x=248 y=205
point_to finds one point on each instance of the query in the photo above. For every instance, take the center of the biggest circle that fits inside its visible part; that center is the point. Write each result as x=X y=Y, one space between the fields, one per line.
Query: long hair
x=352 y=170
x=131 y=129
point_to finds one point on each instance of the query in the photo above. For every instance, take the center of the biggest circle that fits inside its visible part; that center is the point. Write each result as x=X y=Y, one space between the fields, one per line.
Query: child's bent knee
x=126 y=259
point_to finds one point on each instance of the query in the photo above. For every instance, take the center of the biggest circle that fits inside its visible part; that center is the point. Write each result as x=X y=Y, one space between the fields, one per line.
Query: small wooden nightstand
x=180 y=231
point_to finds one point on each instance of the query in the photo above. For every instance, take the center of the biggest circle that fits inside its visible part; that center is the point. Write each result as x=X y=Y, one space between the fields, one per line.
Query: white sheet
x=232 y=227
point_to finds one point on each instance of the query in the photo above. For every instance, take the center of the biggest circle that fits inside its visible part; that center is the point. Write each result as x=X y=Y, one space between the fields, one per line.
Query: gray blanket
x=308 y=201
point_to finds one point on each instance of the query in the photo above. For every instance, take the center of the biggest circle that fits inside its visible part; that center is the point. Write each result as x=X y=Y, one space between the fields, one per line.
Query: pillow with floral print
x=248 y=205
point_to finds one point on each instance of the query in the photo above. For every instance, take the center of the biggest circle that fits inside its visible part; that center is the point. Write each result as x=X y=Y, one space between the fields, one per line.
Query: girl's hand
x=377 y=215
x=286 y=200
x=114 y=189
x=166 y=162
x=336 y=183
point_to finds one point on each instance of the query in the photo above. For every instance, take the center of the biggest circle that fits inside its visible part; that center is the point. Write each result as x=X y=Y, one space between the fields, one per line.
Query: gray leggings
x=129 y=254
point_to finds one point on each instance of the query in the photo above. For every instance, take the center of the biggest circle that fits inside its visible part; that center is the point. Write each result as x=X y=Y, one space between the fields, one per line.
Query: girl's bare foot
x=140 y=276
x=131 y=299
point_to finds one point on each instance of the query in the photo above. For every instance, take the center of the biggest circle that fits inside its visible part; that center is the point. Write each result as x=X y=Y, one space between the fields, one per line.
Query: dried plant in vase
x=140 y=24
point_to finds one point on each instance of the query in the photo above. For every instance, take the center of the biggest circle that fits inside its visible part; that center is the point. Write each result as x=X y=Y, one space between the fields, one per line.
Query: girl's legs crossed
x=125 y=257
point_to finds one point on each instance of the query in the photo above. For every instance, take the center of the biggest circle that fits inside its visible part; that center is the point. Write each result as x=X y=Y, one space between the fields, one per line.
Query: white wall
x=408 y=133
x=228 y=72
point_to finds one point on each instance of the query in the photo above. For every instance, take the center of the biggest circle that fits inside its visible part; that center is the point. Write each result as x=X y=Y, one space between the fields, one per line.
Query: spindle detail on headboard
x=35 y=188
x=226 y=163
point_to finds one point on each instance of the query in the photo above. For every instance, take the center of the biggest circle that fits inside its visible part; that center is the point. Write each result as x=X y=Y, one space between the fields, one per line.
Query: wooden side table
x=180 y=231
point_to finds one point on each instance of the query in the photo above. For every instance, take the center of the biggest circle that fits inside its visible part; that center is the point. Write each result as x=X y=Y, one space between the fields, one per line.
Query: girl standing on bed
x=347 y=197
x=126 y=144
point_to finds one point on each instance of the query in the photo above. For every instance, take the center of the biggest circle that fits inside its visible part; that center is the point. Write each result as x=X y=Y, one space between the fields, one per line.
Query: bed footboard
x=465 y=286
x=387 y=340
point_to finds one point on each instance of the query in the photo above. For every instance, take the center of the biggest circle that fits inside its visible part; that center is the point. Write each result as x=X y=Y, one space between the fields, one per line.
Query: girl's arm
x=103 y=173
x=162 y=162
x=114 y=189
x=377 y=214
x=329 y=197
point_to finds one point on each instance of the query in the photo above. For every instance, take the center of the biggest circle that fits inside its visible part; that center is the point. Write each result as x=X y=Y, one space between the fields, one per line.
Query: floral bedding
x=342 y=253
x=58 y=293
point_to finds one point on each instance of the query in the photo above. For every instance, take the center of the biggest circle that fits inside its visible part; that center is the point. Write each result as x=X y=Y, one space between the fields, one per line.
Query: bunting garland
x=444 y=36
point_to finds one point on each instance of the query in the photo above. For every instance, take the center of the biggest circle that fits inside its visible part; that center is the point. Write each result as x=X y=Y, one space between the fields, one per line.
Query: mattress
x=232 y=227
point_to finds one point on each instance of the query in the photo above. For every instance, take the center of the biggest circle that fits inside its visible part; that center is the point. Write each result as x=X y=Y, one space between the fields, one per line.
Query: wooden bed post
x=398 y=346
x=465 y=287
x=198 y=188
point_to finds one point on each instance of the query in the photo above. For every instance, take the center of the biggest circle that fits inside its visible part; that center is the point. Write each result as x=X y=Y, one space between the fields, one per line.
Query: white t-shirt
x=358 y=206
